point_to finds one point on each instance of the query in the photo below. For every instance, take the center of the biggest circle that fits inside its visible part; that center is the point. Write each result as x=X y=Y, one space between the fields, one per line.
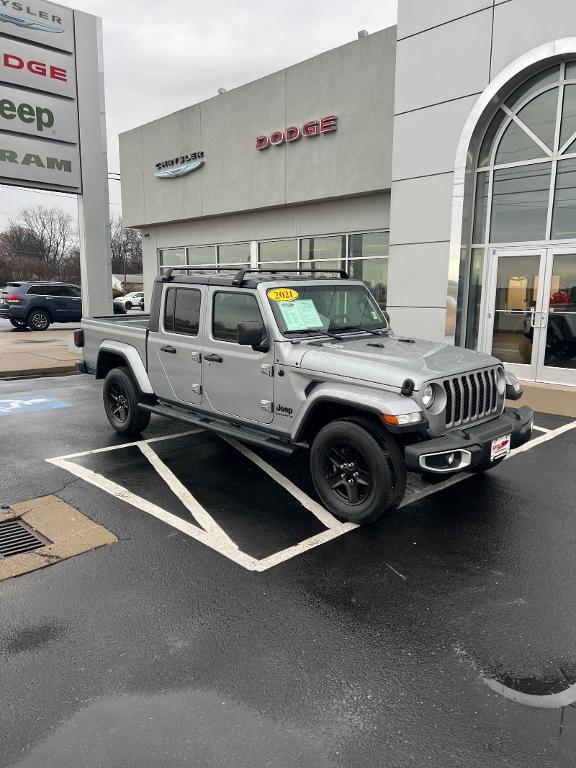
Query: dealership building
x=435 y=160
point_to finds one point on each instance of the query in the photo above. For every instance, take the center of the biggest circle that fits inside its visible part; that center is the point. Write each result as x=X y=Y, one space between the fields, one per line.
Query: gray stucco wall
x=448 y=51
x=354 y=81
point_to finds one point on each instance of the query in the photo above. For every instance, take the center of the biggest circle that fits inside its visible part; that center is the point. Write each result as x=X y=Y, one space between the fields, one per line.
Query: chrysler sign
x=179 y=166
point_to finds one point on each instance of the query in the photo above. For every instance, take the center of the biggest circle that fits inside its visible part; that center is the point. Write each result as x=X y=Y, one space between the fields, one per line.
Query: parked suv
x=36 y=305
x=134 y=299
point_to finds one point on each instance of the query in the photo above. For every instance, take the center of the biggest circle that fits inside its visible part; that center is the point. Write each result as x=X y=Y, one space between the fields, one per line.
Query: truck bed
x=123 y=329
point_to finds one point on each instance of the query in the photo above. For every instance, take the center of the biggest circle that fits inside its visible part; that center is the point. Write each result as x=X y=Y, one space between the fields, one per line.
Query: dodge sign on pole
x=52 y=122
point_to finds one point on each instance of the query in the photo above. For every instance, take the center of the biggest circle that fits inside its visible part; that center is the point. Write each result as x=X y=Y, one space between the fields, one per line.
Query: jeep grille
x=472 y=397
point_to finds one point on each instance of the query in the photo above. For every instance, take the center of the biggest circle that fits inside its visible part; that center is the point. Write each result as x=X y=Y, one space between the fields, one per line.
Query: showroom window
x=364 y=255
x=525 y=190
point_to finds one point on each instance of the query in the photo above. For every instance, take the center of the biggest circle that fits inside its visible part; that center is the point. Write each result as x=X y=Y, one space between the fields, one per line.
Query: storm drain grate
x=16 y=538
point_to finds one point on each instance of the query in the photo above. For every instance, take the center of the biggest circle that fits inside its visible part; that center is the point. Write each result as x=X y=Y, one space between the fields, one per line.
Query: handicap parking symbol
x=19 y=405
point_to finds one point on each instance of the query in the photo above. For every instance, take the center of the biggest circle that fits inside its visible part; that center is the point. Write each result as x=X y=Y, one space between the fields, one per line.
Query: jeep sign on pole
x=52 y=123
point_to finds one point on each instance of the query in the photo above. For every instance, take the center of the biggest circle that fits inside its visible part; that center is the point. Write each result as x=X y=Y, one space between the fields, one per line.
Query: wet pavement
x=370 y=649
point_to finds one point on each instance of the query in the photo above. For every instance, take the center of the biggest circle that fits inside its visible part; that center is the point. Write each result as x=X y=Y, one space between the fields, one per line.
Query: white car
x=134 y=299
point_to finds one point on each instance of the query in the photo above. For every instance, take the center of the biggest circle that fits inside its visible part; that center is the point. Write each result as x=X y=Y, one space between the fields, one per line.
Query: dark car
x=36 y=304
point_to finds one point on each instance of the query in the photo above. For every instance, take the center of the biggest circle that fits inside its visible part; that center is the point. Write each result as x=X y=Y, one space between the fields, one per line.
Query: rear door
x=175 y=351
x=238 y=381
x=73 y=302
x=55 y=300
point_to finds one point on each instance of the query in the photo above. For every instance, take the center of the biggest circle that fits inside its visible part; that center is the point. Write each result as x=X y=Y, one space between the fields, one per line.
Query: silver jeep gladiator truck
x=295 y=360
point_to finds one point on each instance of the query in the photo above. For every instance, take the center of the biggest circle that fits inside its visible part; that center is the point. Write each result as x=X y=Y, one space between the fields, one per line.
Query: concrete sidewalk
x=34 y=353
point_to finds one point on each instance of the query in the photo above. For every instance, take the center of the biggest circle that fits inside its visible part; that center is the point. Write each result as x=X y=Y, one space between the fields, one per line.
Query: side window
x=36 y=290
x=73 y=291
x=55 y=290
x=182 y=311
x=169 y=304
x=231 y=309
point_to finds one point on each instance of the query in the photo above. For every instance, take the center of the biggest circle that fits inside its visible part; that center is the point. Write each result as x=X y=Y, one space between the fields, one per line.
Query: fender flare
x=133 y=360
x=374 y=401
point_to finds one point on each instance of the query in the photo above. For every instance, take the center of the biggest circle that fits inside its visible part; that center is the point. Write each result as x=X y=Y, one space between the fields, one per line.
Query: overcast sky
x=163 y=56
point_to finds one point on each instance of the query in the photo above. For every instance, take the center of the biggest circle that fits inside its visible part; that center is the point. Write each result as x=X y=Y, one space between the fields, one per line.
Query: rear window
x=182 y=311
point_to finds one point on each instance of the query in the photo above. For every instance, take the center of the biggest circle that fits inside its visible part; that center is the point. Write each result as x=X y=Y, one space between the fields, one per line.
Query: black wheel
x=18 y=323
x=38 y=320
x=486 y=466
x=121 y=403
x=358 y=470
x=128 y=305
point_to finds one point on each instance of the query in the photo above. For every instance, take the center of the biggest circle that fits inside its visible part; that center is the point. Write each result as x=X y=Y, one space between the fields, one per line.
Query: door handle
x=171 y=350
x=213 y=358
x=533 y=317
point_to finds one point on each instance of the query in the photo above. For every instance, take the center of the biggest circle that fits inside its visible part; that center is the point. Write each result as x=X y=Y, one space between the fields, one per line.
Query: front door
x=557 y=354
x=238 y=381
x=174 y=350
x=530 y=323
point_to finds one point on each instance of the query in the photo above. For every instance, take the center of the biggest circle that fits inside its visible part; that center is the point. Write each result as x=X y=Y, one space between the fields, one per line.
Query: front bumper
x=471 y=446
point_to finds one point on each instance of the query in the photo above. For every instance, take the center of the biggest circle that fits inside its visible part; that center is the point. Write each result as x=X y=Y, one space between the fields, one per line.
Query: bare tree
x=56 y=235
x=20 y=254
x=126 y=248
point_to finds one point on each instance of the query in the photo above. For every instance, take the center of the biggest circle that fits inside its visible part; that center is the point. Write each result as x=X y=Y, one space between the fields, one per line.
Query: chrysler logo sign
x=31 y=23
x=179 y=166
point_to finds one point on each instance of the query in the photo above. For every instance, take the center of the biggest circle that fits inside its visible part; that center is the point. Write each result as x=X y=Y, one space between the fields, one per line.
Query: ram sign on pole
x=52 y=122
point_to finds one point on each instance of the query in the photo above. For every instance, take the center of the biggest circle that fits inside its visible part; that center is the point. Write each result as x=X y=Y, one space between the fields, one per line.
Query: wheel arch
x=40 y=308
x=117 y=355
x=328 y=401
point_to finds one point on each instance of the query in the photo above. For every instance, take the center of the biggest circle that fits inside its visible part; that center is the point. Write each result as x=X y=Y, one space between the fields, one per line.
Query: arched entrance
x=519 y=275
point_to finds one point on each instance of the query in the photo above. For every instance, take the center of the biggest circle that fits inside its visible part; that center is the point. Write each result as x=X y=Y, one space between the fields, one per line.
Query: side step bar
x=244 y=434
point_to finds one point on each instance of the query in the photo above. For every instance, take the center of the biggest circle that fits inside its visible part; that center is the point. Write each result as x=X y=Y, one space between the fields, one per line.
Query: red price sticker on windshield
x=282 y=294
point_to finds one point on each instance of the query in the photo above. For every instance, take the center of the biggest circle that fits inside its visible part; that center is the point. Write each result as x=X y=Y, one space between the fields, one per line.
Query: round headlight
x=501 y=382
x=427 y=396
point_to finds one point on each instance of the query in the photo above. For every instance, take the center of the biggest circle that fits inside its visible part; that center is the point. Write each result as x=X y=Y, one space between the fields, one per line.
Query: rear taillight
x=13 y=299
x=79 y=338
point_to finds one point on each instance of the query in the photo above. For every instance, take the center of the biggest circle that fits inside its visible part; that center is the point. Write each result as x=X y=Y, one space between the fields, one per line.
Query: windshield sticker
x=300 y=315
x=282 y=294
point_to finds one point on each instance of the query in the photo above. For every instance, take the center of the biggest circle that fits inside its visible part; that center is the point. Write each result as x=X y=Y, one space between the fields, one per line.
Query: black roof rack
x=221 y=268
x=239 y=279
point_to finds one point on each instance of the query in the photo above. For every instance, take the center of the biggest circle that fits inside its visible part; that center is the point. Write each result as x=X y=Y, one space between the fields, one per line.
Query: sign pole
x=93 y=204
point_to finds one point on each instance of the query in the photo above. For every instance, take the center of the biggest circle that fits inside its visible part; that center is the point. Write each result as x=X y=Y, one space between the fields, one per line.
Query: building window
x=172 y=257
x=278 y=254
x=364 y=255
x=525 y=174
x=201 y=256
x=237 y=254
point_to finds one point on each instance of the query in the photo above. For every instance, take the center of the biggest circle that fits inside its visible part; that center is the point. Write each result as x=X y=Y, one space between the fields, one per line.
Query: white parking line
x=212 y=535
x=194 y=507
x=312 y=506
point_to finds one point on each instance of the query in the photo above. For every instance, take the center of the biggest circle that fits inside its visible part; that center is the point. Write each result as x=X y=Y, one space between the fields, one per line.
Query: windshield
x=301 y=309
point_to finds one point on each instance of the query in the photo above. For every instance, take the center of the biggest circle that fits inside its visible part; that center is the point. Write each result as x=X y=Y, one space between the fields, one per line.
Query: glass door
x=557 y=341
x=514 y=321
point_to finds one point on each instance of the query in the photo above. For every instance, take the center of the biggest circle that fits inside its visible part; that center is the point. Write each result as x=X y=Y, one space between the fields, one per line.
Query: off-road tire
x=377 y=459
x=121 y=403
x=38 y=320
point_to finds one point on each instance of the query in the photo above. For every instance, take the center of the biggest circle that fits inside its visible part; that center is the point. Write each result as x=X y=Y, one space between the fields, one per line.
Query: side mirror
x=251 y=334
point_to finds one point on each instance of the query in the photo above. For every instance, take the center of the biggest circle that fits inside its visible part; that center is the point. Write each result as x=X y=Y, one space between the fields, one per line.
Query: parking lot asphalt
x=365 y=647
